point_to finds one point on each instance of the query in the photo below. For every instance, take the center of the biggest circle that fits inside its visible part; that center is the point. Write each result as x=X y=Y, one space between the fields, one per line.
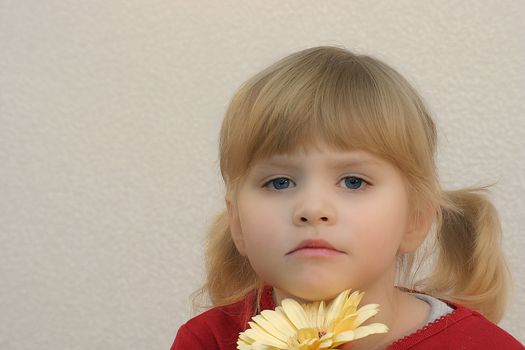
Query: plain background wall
x=109 y=117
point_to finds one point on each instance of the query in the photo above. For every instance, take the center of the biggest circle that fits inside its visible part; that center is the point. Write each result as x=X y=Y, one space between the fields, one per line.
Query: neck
x=400 y=311
x=391 y=301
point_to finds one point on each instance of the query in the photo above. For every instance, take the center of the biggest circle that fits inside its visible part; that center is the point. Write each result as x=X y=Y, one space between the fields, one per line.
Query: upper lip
x=314 y=243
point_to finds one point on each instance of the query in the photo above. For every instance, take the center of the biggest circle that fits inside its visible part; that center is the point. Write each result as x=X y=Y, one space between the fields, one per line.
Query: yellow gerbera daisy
x=295 y=326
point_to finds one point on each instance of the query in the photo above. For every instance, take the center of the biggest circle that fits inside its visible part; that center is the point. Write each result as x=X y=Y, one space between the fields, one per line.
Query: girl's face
x=317 y=222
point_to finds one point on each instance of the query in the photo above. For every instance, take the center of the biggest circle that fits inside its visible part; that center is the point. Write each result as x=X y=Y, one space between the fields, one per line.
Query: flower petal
x=365 y=312
x=346 y=324
x=360 y=333
x=354 y=299
x=370 y=329
x=295 y=313
x=270 y=328
x=320 y=322
x=279 y=320
x=263 y=338
x=334 y=309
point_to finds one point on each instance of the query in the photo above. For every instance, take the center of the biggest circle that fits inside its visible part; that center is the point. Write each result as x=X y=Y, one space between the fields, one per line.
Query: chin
x=309 y=294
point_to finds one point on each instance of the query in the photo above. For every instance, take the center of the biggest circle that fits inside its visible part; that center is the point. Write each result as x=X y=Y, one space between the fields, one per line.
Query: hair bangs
x=345 y=102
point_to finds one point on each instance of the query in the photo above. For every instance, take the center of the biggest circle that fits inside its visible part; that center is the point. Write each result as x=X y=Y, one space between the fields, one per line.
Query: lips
x=314 y=244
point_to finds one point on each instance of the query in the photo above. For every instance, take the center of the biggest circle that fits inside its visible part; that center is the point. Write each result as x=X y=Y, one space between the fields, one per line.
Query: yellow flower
x=295 y=326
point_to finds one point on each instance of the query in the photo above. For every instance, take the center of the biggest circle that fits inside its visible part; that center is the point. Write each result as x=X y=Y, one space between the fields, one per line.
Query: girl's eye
x=354 y=182
x=279 y=183
x=351 y=182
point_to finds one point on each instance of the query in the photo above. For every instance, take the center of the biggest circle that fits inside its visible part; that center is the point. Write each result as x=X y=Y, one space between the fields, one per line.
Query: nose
x=314 y=210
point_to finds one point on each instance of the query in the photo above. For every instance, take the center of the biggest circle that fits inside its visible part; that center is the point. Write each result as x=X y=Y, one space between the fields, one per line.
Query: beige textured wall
x=109 y=114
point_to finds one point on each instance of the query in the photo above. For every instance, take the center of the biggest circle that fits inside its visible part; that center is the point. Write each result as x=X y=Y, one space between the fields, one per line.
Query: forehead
x=325 y=157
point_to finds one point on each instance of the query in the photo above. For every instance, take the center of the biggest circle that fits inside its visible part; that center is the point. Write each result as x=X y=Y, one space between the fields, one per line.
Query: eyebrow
x=289 y=163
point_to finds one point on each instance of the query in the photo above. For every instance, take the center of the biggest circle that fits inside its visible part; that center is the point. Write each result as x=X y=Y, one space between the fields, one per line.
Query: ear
x=419 y=225
x=235 y=226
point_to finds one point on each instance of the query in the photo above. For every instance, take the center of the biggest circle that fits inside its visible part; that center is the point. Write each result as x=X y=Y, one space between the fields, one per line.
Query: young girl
x=328 y=158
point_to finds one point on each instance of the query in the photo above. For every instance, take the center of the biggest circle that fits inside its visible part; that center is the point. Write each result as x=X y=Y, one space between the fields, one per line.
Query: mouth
x=315 y=247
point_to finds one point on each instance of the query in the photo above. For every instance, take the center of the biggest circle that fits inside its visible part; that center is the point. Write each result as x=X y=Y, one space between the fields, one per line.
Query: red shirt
x=219 y=328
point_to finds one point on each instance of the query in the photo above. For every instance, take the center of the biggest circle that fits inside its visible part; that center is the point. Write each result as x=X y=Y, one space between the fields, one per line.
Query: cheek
x=381 y=225
x=262 y=223
x=264 y=228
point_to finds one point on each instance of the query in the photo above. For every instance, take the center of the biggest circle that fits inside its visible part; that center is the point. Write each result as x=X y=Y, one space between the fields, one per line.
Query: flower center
x=308 y=334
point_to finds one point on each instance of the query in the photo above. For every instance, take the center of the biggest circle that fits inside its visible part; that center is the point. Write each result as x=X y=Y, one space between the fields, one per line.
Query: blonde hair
x=349 y=101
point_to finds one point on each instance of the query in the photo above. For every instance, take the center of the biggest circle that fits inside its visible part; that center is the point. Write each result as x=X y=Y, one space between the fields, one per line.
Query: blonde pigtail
x=229 y=275
x=470 y=267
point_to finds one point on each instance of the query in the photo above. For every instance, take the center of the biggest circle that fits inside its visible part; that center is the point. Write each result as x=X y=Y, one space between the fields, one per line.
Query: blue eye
x=353 y=182
x=279 y=183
